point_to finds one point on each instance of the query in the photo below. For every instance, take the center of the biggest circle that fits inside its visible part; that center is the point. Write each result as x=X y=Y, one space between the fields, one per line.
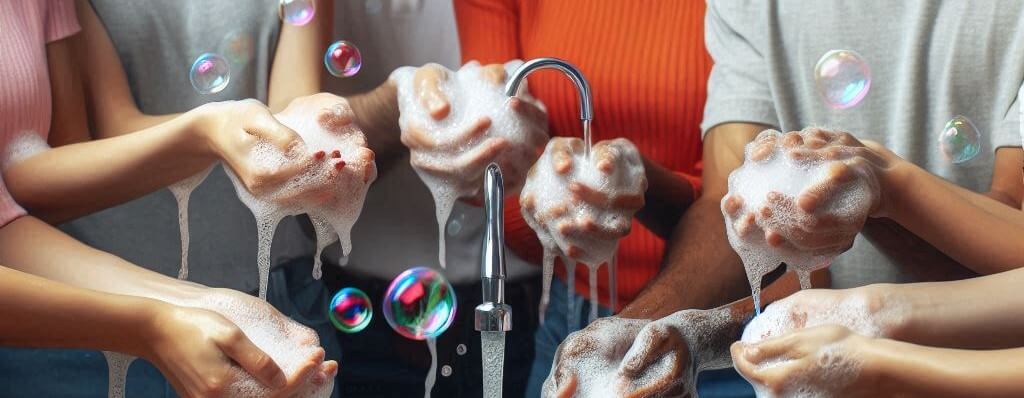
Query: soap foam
x=339 y=193
x=22 y=146
x=548 y=193
x=754 y=180
x=471 y=96
x=182 y=190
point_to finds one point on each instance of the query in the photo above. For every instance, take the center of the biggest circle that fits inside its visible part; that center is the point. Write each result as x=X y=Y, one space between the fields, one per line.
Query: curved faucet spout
x=582 y=87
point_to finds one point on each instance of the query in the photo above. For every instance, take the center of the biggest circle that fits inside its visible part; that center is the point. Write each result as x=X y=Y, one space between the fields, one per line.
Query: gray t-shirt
x=930 y=61
x=157 y=42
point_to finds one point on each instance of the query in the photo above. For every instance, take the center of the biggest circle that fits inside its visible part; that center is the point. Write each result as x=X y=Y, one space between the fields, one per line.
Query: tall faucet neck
x=582 y=87
x=492 y=266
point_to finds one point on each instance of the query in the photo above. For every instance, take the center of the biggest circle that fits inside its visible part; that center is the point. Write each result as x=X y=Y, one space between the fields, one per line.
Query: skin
x=135 y=154
x=699 y=249
x=886 y=367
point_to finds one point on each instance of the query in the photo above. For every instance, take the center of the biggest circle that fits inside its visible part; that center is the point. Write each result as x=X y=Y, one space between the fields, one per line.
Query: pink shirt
x=26 y=26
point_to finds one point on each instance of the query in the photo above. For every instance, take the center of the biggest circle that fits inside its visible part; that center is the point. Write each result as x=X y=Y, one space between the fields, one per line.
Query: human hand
x=870 y=311
x=455 y=124
x=822 y=218
x=220 y=341
x=584 y=206
x=823 y=361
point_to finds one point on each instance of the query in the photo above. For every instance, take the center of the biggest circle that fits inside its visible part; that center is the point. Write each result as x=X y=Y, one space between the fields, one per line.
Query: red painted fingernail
x=340 y=165
x=336 y=154
x=319 y=155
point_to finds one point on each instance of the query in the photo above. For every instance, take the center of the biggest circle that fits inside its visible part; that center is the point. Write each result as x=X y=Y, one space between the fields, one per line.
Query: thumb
x=256 y=362
x=266 y=127
x=646 y=347
x=426 y=85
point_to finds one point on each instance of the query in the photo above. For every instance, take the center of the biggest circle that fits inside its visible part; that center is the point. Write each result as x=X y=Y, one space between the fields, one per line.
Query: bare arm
x=920 y=371
x=298 y=63
x=667 y=198
x=701 y=270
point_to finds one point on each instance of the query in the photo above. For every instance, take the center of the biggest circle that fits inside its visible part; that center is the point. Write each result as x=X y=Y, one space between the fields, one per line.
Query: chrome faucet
x=582 y=87
x=493 y=315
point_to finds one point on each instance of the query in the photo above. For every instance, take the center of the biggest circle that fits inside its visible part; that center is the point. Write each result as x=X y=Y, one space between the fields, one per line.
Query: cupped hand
x=597 y=196
x=827 y=360
x=866 y=310
x=825 y=217
x=233 y=128
x=459 y=157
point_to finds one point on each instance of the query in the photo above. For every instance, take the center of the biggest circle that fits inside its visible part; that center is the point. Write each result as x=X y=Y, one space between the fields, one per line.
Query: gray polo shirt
x=930 y=61
x=157 y=42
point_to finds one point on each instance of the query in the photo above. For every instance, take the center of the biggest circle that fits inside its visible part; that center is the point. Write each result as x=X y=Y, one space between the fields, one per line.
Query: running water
x=182 y=190
x=762 y=195
x=335 y=171
x=428 y=385
x=570 y=280
x=117 y=372
x=492 y=352
x=445 y=163
x=613 y=283
x=593 y=292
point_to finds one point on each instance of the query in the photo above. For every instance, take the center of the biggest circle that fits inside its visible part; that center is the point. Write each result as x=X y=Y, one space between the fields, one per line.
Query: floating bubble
x=419 y=304
x=446 y=371
x=297 y=12
x=960 y=140
x=210 y=73
x=843 y=78
x=350 y=310
x=238 y=47
x=455 y=225
x=343 y=59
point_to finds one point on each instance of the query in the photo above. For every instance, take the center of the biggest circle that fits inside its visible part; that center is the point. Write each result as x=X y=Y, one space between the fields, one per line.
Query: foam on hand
x=471 y=96
x=549 y=205
x=779 y=173
x=332 y=196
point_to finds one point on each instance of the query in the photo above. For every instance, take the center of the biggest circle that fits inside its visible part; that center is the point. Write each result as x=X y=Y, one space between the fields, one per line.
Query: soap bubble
x=238 y=47
x=343 y=59
x=297 y=12
x=960 y=140
x=419 y=304
x=842 y=78
x=350 y=310
x=210 y=73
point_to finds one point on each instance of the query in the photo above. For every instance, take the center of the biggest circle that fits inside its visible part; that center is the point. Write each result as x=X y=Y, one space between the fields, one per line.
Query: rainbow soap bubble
x=343 y=59
x=297 y=12
x=843 y=78
x=350 y=310
x=960 y=140
x=210 y=73
x=419 y=304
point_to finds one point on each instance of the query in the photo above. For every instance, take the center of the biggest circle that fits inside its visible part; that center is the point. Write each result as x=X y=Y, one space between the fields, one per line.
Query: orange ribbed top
x=647 y=68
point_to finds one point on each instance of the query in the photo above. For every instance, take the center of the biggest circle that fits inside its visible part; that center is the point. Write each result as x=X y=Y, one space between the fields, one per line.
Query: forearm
x=376 y=113
x=71 y=262
x=911 y=370
x=74 y=180
x=41 y=313
x=667 y=198
x=297 y=67
x=972 y=229
x=974 y=313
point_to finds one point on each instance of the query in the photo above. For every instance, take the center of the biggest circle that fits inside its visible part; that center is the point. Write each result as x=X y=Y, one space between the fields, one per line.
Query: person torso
x=157 y=42
x=929 y=60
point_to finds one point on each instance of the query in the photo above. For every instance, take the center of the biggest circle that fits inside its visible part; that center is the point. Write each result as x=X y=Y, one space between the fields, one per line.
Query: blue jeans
x=27 y=372
x=723 y=383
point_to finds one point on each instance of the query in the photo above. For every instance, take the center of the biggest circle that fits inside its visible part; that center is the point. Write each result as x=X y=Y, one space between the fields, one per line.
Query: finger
x=335 y=119
x=473 y=160
x=494 y=73
x=474 y=131
x=301 y=376
x=745 y=225
x=733 y=204
x=663 y=382
x=530 y=111
x=255 y=361
x=606 y=157
x=561 y=155
x=426 y=84
x=647 y=347
x=267 y=128
x=416 y=138
x=839 y=174
x=567 y=388
x=587 y=227
x=527 y=201
x=792 y=140
x=743 y=365
x=772 y=348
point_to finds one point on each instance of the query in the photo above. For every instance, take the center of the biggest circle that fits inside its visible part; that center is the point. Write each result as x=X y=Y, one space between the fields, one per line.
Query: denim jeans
x=723 y=383
x=27 y=372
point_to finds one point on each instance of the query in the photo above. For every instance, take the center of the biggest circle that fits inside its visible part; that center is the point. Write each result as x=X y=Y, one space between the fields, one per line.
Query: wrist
x=147 y=337
x=203 y=123
x=896 y=183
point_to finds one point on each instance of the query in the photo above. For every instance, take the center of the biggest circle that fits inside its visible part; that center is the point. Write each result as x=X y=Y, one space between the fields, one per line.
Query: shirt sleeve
x=488 y=30
x=1010 y=132
x=61 y=19
x=738 y=87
